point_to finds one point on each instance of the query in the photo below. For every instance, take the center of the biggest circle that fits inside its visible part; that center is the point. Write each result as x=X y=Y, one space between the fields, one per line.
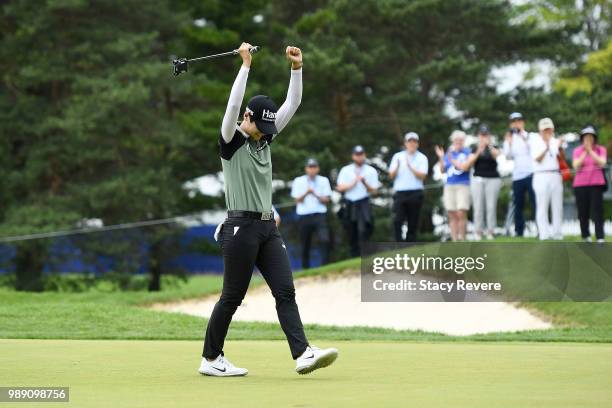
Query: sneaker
x=490 y=236
x=601 y=241
x=221 y=367
x=587 y=239
x=314 y=358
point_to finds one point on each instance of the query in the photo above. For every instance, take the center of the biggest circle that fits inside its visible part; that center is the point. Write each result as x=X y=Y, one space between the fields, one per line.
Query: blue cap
x=358 y=149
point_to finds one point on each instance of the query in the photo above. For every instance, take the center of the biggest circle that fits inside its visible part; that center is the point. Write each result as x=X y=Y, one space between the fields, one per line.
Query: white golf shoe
x=314 y=358
x=221 y=367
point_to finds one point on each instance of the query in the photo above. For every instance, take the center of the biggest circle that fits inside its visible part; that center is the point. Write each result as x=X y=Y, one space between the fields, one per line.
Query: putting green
x=367 y=374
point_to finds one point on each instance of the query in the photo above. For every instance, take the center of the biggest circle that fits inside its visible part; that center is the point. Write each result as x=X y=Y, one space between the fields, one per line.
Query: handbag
x=604 y=171
x=566 y=173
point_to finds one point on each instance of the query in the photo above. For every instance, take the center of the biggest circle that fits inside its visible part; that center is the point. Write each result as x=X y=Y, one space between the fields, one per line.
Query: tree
x=88 y=117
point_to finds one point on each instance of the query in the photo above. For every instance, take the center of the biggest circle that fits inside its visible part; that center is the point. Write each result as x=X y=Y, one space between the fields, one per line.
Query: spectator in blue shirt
x=408 y=169
x=456 y=195
x=312 y=193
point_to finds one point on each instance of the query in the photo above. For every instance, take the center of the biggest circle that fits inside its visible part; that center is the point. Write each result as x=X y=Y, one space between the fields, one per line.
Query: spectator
x=357 y=181
x=408 y=169
x=547 y=181
x=456 y=194
x=589 y=161
x=516 y=147
x=485 y=183
x=312 y=193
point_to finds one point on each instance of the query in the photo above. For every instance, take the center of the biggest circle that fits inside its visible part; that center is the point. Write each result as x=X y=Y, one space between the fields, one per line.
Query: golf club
x=182 y=64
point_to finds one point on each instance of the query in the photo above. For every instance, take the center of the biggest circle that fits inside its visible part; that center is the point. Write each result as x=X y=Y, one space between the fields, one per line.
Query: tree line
x=94 y=126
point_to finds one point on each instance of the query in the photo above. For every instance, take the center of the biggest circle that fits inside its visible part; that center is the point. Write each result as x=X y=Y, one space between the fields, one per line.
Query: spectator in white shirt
x=312 y=193
x=408 y=169
x=516 y=148
x=547 y=181
x=357 y=181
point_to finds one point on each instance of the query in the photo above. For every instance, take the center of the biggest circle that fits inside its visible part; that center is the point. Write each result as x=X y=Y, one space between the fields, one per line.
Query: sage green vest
x=247 y=171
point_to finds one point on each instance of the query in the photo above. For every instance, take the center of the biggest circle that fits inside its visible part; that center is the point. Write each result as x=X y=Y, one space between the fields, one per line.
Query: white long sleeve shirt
x=519 y=152
x=284 y=114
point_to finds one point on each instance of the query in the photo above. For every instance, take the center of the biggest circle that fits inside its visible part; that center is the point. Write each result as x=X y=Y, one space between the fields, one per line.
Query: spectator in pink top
x=589 y=161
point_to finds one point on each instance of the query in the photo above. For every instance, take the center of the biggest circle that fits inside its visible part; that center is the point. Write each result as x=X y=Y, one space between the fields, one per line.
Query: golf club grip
x=252 y=50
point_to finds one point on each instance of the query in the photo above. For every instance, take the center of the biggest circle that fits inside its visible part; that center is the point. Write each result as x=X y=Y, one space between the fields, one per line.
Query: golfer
x=249 y=236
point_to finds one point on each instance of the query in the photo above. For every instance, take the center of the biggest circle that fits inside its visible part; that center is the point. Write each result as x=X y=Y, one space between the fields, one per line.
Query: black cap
x=263 y=111
x=484 y=130
x=358 y=149
x=311 y=162
x=515 y=116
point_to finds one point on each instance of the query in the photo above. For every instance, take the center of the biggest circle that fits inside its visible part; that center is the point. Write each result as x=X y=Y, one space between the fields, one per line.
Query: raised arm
x=228 y=126
x=294 y=93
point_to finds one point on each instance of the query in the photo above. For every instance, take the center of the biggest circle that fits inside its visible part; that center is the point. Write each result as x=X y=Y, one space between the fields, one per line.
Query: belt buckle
x=266 y=216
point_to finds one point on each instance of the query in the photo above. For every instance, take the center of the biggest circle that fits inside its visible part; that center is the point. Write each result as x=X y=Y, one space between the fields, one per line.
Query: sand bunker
x=337 y=301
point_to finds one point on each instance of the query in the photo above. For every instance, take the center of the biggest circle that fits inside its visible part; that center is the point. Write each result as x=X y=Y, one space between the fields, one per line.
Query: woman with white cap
x=456 y=194
x=589 y=161
x=547 y=181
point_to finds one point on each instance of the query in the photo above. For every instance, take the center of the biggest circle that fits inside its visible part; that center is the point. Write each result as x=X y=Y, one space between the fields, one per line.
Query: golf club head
x=180 y=65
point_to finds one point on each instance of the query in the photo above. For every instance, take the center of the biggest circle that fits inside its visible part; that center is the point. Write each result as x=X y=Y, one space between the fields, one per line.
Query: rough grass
x=120 y=315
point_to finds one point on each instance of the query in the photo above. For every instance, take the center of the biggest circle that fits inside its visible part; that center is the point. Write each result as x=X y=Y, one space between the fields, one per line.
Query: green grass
x=120 y=315
x=373 y=374
x=97 y=314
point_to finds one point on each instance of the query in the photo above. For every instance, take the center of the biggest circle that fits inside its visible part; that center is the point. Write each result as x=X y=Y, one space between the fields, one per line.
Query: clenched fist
x=294 y=54
x=245 y=54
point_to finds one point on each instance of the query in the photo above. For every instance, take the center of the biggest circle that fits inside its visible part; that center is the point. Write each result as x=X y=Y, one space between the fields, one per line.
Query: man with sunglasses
x=516 y=147
x=249 y=236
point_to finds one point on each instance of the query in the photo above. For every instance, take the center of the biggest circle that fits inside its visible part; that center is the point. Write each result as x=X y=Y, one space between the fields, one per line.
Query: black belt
x=264 y=216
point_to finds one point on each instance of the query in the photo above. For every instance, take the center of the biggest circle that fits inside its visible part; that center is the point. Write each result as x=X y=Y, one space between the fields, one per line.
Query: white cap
x=457 y=134
x=545 y=123
x=411 y=136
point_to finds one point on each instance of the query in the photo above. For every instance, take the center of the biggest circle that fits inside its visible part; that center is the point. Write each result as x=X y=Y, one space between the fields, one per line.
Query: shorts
x=456 y=197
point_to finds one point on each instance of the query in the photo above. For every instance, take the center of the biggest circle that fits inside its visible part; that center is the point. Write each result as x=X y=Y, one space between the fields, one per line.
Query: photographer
x=516 y=147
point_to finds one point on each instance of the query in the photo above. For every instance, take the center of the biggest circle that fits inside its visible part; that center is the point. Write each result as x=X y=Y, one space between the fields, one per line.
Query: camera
x=180 y=65
x=514 y=131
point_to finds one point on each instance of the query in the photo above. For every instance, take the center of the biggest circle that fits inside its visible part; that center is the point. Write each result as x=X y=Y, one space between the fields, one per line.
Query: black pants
x=519 y=189
x=358 y=222
x=406 y=208
x=309 y=225
x=246 y=243
x=589 y=201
